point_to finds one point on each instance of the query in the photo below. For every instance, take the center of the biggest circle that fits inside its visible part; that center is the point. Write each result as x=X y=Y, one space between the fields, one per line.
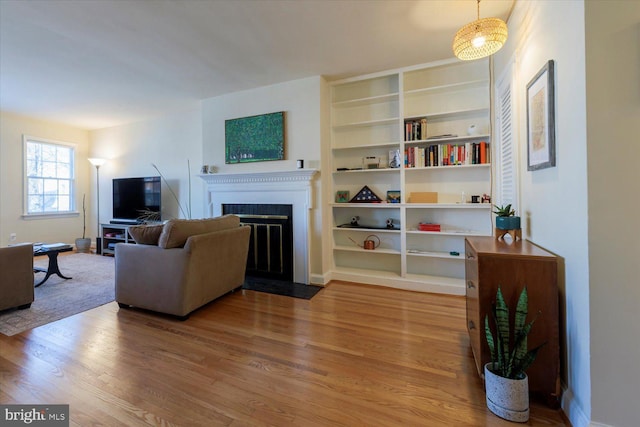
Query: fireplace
x=271 y=242
x=263 y=188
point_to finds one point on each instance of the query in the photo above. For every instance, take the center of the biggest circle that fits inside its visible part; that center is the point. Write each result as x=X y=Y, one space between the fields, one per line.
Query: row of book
x=470 y=153
x=415 y=130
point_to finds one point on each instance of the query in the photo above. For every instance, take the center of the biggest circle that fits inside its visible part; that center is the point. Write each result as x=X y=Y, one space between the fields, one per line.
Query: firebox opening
x=271 y=242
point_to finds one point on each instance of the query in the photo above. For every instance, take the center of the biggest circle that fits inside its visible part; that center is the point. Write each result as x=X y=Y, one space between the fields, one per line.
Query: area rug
x=279 y=287
x=91 y=285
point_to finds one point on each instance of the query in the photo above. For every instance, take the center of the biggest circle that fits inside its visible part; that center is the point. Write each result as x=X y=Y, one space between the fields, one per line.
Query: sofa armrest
x=220 y=254
x=149 y=273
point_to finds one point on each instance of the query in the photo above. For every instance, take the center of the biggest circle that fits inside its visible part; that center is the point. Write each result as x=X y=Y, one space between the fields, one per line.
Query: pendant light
x=480 y=38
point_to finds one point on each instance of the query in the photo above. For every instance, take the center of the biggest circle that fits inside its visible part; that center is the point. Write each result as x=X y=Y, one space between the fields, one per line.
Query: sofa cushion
x=146 y=234
x=176 y=231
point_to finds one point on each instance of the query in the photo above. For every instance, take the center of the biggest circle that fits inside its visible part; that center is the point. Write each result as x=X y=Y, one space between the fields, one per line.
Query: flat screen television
x=135 y=198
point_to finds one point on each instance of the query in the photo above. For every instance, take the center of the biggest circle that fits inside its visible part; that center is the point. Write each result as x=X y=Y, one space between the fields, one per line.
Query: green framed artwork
x=255 y=138
x=342 y=196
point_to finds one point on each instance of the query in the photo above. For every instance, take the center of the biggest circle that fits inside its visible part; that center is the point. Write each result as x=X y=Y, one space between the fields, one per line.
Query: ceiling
x=102 y=63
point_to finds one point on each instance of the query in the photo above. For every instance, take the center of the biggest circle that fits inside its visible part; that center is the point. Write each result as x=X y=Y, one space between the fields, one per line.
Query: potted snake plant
x=506 y=382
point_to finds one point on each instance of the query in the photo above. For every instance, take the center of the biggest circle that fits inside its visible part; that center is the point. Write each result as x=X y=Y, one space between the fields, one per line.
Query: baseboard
x=319 y=279
x=574 y=412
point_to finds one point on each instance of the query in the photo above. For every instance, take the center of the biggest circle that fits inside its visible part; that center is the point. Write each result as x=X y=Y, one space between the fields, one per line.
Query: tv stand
x=114 y=233
x=125 y=221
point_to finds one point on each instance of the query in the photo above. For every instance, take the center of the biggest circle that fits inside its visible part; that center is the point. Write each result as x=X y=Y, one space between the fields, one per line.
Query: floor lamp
x=97 y=163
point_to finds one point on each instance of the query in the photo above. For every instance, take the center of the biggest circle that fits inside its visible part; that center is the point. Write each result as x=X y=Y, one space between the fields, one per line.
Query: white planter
x=507 y=398
x=83 y=245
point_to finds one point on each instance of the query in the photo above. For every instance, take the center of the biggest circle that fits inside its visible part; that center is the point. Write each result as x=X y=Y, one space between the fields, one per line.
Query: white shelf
x=461 y=233
x=448 y=205
x=389 y=121
x=449 y=87
x=445 y=114
x=434 y=141
x=369 y=146
x=355 y=248
x=429 y=254
x=368 y=170
x=367 y=101
x=367 y=205
x=450 y=167
x=368 y=230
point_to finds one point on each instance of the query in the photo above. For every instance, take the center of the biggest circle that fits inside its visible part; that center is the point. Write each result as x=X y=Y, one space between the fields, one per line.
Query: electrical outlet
x=13 y=237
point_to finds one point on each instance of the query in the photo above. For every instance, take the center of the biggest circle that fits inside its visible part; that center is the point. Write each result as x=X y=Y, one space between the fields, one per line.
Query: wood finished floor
x=354 y=355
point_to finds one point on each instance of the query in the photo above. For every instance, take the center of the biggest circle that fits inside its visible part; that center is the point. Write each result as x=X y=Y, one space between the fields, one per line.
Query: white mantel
x=279 y=187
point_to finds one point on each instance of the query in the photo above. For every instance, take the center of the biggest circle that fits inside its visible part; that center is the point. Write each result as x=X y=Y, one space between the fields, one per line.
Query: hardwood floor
x=354 y=355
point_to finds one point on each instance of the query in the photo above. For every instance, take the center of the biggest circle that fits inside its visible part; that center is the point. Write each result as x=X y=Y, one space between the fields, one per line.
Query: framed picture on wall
x=541 y=133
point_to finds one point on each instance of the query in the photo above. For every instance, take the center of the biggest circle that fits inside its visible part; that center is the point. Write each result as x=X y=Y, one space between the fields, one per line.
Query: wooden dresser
x=491 y=263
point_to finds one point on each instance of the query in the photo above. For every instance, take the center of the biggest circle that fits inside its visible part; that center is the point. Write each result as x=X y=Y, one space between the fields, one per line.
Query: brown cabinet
x=491 y=263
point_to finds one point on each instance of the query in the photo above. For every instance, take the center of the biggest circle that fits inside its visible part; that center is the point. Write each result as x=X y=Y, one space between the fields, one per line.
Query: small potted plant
x=506 y=218
x=506 y=383
x=83 y=244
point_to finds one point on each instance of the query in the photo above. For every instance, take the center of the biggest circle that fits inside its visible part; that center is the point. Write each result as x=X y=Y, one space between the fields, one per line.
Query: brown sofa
x=192 y=263
x=16 y=277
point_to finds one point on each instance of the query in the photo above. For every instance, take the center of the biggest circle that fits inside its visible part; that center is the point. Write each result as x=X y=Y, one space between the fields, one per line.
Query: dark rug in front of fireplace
x=280 y=287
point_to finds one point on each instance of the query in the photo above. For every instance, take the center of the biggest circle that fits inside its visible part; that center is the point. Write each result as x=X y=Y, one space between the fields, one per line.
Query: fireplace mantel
x=279 y=187
x=258 y=177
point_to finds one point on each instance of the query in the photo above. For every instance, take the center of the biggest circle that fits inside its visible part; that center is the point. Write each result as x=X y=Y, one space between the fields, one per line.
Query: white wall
x=554 y=201
x=301 y=100
x=169 y=142
x=613 y=119
x=66 y=229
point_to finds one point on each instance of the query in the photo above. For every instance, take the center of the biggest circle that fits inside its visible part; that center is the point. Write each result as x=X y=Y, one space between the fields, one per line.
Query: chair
x=16 y=277
x=193 y=263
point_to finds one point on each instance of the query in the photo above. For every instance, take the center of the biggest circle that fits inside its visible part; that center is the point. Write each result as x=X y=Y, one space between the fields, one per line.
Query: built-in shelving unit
x=368 y=119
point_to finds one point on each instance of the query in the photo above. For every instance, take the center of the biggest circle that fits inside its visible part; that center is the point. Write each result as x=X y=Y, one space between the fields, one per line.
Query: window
x=49 y=176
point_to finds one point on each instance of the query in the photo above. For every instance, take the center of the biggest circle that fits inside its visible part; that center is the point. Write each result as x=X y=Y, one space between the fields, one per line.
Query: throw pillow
x=146 y=234
x=176 y=231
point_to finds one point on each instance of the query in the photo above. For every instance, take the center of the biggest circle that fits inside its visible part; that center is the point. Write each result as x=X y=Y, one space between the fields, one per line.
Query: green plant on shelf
x=504 y=210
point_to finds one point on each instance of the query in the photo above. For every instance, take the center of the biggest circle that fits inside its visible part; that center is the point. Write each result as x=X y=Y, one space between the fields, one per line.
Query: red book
x=483 y=152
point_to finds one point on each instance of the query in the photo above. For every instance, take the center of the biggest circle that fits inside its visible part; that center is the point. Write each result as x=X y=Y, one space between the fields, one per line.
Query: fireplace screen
x=270 y=246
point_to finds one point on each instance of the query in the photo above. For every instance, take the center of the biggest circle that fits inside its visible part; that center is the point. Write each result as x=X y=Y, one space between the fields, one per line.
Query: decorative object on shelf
x=486 y=198
x=394 y=159
x=475 y=199
x=390 y=224
x=254 y=139
x=507 y=222
x=355 y=221
x=300 y=164
x=480 y=38
x=371 y=162
x=427 y=226
x=342 y=196
x=97 y=163
x=541 y=134
x=83 y=244
x=506 y=382
x=365 y=195
x=204 y=169
x=368 y=244
x=472 y=130
x=423 y=197
x=393 y=196
x=213 y=169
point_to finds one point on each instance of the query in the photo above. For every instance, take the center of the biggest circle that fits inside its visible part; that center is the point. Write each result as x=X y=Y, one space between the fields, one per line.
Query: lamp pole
x=97 y=163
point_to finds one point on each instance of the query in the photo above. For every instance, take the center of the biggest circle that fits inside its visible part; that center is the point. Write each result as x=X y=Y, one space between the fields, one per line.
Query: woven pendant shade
x=480 y=38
